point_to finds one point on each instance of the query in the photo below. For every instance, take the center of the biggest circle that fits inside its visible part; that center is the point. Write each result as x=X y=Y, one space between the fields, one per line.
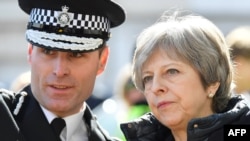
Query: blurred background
x=226 y=14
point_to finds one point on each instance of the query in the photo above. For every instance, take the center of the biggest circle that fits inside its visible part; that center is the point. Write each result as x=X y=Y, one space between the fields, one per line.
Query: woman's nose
x=158 y=86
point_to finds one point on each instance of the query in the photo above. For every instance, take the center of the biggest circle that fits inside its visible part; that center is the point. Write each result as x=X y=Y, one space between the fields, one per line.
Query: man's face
x=62 y=81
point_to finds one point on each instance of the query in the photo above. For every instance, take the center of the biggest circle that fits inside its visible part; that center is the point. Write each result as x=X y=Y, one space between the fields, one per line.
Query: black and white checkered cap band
x=78 y=21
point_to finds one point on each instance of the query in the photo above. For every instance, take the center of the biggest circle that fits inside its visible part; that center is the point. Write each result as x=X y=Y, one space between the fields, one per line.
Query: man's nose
x=61 y=67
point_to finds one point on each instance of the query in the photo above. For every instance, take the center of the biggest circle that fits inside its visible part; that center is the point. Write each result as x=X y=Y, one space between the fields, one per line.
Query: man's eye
x=76 y=54
x=47 y=51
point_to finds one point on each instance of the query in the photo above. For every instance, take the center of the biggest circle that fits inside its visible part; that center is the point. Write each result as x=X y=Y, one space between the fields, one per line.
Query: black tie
x=58 y=124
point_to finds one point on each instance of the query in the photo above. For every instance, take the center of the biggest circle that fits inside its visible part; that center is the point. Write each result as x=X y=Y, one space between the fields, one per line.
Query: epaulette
x=8 y=97
x=19 y=99
x=13 y=100
x=7 y=93
x=9 y=128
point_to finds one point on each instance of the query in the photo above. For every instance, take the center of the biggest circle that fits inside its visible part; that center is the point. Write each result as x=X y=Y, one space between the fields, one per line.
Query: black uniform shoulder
x=13 y=100
x=8 y=97
x=8 y=129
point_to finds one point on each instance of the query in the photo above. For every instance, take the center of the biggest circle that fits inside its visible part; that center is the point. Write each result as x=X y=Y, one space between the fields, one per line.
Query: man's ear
x=30 y=48
x=103 y=59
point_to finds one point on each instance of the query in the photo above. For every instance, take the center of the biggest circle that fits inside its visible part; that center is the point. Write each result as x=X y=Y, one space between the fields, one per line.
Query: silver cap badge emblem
x=64 y=17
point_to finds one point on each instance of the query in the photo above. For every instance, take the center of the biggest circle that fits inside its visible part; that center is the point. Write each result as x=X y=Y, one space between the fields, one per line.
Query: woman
x=182 y=65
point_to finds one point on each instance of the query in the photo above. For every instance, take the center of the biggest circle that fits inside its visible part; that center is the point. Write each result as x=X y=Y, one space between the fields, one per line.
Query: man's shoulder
x=7 y=98
x=12 y=101
x=8 y=129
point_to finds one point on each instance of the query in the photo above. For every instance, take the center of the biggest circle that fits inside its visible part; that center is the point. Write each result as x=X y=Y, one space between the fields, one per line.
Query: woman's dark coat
x=211 y=128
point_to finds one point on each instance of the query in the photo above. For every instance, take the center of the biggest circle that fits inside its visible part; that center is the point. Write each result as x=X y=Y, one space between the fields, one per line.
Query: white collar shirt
x=75 y=129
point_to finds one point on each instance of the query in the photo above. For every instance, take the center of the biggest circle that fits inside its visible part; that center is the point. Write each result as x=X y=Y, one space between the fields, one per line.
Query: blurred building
x=140 y=14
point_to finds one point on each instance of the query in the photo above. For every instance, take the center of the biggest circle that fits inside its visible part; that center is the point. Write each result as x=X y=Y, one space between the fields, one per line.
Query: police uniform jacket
x=30 y=124
x=147 y=128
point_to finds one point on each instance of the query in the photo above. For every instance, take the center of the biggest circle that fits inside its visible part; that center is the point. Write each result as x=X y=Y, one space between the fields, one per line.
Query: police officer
x=66 y=51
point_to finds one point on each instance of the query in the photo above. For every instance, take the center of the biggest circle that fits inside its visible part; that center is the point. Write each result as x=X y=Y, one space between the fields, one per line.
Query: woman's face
x=174 y=90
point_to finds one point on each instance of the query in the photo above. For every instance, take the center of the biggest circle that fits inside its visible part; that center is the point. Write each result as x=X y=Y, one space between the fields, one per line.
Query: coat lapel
x=33 y=123
x=96 y=133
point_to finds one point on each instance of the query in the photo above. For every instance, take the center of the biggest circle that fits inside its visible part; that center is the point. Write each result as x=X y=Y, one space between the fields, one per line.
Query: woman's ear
x=213 y=88
x=103 y=59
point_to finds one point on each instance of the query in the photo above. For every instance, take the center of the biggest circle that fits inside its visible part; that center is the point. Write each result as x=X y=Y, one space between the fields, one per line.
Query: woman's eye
x=172 y=71
x=147 y=79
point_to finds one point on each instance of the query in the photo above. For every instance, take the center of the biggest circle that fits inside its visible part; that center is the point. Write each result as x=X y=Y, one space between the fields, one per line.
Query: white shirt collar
x=49 y=115
x=75 y=126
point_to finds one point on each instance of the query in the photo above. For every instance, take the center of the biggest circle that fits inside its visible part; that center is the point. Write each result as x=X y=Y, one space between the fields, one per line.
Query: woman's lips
x=163 y=104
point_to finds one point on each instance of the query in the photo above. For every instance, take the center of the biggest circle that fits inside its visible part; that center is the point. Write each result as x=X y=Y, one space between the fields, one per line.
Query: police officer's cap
x=76 y=25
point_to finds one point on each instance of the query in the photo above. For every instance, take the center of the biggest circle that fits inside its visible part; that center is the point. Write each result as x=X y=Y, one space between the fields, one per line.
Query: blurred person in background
x=134 y=100
x=127 y=103
x=20 y=82
x=182 y=65
x=67 y=50
x=239 y=42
